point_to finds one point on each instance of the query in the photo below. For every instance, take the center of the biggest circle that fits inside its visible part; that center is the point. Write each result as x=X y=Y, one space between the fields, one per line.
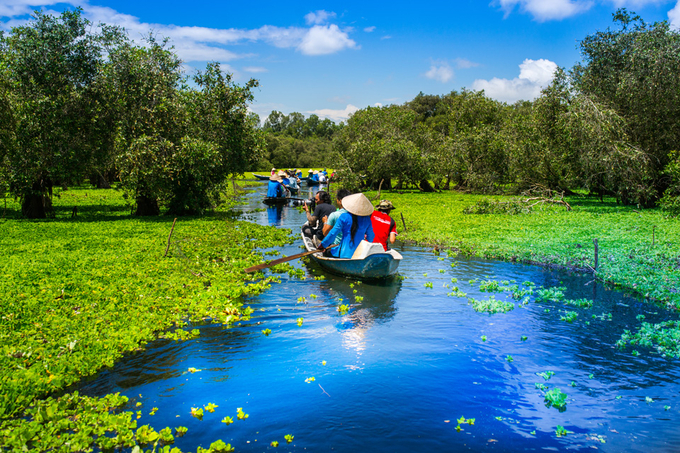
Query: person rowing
x=355 y=225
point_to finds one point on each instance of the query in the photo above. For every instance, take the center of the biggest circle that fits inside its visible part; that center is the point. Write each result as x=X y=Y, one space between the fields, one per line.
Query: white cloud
x=369 y=29
x=255 y=69
x=318 y=17
x=543 y=10
x=441 y=72
x=386 y=37
x=463 y=63
x=324 y=40
x=674 y=16
x=200 y=43
x=533 y=76
x=335 y=115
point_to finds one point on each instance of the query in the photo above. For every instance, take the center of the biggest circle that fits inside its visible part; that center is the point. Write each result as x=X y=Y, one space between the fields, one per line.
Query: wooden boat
x=371 y=267
x=261 y=177
x=276 y=200
x=293 y=190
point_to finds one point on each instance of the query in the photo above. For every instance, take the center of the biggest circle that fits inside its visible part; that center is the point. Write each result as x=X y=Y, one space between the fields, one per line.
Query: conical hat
x=357 y=204
x=275 y=178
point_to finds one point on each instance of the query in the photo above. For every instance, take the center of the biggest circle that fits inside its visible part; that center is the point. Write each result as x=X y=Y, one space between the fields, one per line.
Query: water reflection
x=275 y=215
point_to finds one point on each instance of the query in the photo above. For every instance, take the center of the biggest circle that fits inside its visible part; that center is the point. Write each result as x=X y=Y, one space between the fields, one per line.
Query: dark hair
x=342 y=193
x=324 y=197
x=355 y=226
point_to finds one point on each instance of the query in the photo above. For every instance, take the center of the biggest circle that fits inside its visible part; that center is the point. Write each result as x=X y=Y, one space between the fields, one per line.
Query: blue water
x=396 y=372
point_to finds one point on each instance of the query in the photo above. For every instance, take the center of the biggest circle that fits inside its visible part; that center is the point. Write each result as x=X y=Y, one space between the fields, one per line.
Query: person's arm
x=333 y=233
x=311 y=219
x=370 y=234
x=326 y=227
x=393 y=231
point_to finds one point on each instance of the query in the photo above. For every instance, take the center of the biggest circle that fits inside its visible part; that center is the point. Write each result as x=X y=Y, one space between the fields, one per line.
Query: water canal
x=396 y=372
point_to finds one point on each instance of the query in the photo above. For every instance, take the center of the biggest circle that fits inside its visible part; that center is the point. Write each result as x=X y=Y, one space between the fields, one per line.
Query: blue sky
x=332 y=58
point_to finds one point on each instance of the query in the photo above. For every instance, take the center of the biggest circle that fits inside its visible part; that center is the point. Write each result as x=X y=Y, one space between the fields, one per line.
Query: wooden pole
x=169 y=236
x=596 y=252
x=403 y=221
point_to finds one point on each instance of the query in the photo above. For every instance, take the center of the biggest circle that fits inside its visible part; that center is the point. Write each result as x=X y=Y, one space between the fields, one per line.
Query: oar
x=284 y=259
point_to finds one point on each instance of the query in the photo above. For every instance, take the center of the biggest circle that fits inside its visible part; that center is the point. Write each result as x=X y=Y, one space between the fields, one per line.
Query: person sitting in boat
x=298 y=173
x=355 y=225
x=314 y=227
x=325 y=173
x=275 y=189
x=292 y=180
x=330 y=221
x=315 y=176
x=273 y=172
x=384 y=226
x=322 y=178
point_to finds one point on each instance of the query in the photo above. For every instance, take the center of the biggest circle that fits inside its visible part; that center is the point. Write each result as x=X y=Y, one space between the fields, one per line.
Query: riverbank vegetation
x=79 y=291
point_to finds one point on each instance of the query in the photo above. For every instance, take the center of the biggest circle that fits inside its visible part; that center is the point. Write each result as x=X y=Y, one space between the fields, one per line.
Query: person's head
x=340 y=194
x=322 y=197
x=385 y=206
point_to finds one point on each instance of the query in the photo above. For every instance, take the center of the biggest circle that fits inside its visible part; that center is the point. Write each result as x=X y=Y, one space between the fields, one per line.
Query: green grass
x=78 y=293
x=554 y=236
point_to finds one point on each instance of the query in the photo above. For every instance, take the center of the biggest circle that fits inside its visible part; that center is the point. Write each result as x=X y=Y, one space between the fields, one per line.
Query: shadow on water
x=409 y=358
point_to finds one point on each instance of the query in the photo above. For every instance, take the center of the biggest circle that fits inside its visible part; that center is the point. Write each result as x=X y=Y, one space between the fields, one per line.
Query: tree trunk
x=36 y=203
x=147 y=206
x=425 y=186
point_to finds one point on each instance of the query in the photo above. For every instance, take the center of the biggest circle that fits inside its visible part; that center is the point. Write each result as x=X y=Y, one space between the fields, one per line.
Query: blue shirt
x=349 y=244
x=275 y=189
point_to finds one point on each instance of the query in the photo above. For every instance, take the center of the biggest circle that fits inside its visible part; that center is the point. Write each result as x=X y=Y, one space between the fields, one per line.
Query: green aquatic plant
x=300 y=321
x=227 y=420
x=561 y=432
x=491 y=305
x=540 y=386
x=211 y=407
x=524 y=338
x=580 y=303
x=640 y=317
x=165 y=435
x=181 y=431
x=428 y=285
x=664 y=337
x=359 y=299
x=217 y=447
x=145 y=434
x=569 y=316
x=240 y=414
x=289 y=438
x=648 y=400
x=266 y=332
x=556 y=398
x=153 y=411
x=509 y=359
x=343 y=309
x=491 y=286
x=554 y=294
x=483 y=337
x=310 y=379
x=546 y=374
x=197 y=412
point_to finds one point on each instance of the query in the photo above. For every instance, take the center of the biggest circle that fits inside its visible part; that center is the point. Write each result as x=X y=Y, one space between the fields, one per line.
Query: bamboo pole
x=169 y=236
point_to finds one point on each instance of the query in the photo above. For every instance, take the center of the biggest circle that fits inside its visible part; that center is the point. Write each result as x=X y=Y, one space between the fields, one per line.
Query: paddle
x=284 y=259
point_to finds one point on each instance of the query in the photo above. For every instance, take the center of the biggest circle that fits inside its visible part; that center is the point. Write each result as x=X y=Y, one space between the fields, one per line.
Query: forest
x=81 y=103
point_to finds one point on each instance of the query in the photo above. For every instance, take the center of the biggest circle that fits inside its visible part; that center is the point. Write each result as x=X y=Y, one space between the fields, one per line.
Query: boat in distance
x=369 y=262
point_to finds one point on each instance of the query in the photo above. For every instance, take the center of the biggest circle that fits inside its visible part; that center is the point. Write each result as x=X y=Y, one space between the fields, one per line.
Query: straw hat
x=357 y=204
x=386 y=205
x=275 y=178
x=283 y=174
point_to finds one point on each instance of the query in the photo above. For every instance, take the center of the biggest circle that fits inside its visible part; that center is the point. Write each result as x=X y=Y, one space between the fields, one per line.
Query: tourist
x=314 y=227
x=384 y=227
x=355 y=225
x=275 y=189
x=329 y=222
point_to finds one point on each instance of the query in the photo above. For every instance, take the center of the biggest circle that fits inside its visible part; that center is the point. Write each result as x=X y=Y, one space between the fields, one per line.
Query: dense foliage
x=607 y=127
x=78 y=293
x=296 y=142
x=84 y=102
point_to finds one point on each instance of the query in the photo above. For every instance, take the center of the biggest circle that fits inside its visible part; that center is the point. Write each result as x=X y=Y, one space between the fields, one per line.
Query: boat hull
x=373 y=267
x=276 y=201
x=261 y=177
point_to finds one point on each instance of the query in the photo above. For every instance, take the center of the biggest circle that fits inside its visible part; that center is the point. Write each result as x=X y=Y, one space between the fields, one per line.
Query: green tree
x=381 y=144
x=635 y=70
x=49 y=65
